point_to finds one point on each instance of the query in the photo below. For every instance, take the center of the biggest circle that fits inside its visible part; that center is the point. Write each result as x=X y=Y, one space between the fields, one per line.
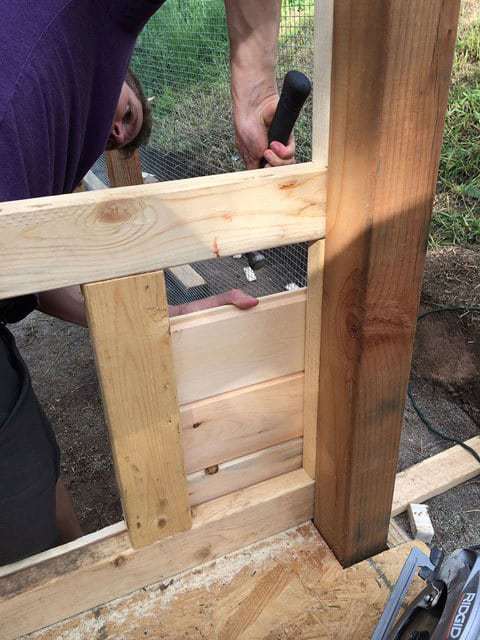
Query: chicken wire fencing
x=181 y=59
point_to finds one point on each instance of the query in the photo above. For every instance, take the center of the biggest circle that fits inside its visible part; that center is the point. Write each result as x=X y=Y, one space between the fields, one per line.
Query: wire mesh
x=181 y=59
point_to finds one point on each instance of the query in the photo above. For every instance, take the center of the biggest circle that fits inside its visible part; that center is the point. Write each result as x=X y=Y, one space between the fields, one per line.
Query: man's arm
x=68 y=304
x=253 y=30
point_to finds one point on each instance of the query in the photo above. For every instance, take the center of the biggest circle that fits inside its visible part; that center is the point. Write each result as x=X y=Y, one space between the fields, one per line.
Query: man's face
x=127 y=121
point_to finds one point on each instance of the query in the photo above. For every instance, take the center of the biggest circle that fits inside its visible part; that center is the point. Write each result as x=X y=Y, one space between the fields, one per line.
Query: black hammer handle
x=296 y=89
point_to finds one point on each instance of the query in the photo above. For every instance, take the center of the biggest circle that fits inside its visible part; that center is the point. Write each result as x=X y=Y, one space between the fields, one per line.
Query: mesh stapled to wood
x=181 y=59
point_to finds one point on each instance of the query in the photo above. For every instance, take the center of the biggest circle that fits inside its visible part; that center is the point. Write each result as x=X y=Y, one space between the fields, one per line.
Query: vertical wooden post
x=130 y=330
x=316 y=251
x=129 y=326
x=391 y=71
x=123 y=171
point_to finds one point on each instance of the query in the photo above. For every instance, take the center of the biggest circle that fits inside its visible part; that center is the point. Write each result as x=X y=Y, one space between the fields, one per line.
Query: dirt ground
x=445 y=382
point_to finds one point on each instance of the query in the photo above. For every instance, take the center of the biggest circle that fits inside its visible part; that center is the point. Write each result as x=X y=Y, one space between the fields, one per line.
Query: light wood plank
x=316 y=257
x=123 y=171
x=233 y=475
x=74 y=581
x=322 y=73
x=187 y=276
x=128 y=321
x=391 y=70
x=287 y=587
x=223 y=349
x=435 y=475
x=240 y=422
x=47 y=243
x=396 y=535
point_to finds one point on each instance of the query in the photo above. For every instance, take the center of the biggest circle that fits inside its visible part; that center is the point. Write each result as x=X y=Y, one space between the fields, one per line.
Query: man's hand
x=253 y=30
x=236 y=297
x=251 y=135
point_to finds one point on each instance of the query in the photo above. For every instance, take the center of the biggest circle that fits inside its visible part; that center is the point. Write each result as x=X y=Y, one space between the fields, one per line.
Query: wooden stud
x=47 y=243
x=128 y=321
x=123 y=170
x=391 y=72
x=316 y=252
x=98 y=568
x=322 y=73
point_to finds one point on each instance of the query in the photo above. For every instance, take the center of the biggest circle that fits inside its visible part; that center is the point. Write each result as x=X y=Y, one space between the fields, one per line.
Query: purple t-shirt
x=62 y=66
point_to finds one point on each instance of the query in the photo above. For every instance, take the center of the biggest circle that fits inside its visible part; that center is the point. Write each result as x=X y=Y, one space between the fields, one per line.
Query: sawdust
x=212 y=576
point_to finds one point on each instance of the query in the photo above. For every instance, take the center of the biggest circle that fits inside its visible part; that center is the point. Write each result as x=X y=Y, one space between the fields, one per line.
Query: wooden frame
x=339 y=367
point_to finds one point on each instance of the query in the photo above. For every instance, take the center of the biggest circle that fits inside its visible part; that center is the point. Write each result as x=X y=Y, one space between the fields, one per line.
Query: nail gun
x=448 y=608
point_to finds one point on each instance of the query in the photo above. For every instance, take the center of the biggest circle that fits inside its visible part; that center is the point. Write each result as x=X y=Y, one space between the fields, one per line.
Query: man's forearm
x=253 y=30
x=66 y=304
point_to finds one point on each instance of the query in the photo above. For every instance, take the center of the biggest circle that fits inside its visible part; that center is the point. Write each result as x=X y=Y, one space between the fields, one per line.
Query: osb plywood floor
x=287 y=587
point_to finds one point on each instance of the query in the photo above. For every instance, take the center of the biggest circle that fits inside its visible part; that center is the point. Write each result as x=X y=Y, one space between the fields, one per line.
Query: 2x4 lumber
x=435 y=475
x=322 y=76
x=129 y=326
x=391 y=70
x=123 y=170
x=241 y=422
x=187 y=276
x=223 y=349
x=322 y=71
x=57 y=241
x=313 y=324
x=70 y=581
x=246 y=471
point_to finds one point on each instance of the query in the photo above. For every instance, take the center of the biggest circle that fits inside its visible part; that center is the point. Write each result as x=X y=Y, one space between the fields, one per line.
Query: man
x=61 y=87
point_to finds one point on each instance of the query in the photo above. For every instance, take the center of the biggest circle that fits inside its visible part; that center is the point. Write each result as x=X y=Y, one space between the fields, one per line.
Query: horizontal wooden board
x=435 y=475
x=74 y=578
x=187 y=276
x=223 y=349
x=246 y=471
x=288 y=587
x=46 y=243
x=240 y=422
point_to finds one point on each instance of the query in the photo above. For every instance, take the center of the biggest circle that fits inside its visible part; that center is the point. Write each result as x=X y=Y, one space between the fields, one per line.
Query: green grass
x=182 y=59
x=183 y=45
x=456 y=217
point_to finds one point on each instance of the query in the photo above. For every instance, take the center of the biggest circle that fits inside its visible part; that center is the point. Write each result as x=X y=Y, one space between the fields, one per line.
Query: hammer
x=296 y=89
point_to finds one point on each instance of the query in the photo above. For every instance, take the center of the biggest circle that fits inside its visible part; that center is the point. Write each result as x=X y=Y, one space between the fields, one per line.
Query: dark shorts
x=29 y=462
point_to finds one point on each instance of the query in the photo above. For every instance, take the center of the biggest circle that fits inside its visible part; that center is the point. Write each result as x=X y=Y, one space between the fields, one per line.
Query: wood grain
x=435 y=475
x=47 y=243
x=391 y=72
x=322 y=72
x=129 y=326
x=71 y=581
x=223 y=349
x=219 y=480
x=313 y=325
x=240 y=422
x=289 y=587
x=123 y=171
x=187 y=276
